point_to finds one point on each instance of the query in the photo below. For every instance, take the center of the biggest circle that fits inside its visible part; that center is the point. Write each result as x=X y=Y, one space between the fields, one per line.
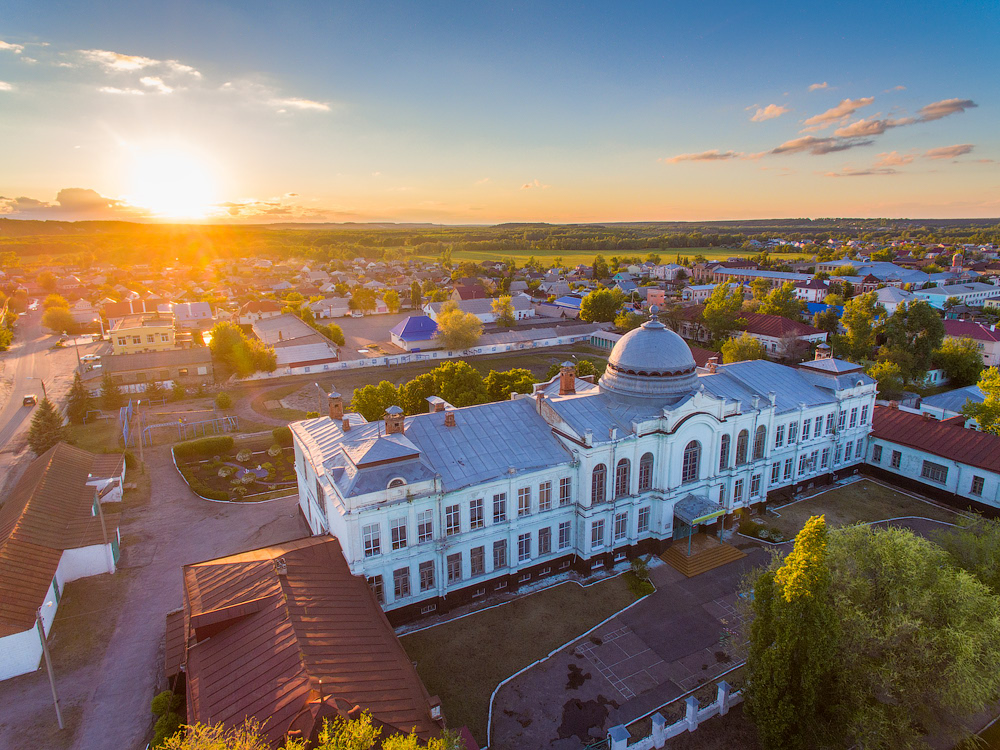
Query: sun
x=172 y=183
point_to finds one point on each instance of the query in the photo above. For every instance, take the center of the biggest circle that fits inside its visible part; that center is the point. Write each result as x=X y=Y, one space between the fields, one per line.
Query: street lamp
x=100 y=322
x=44 y=395
x=48 y=661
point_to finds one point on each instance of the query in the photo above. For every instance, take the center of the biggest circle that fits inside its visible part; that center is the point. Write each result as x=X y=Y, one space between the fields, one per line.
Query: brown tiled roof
x=267 y=645
x=48 y=511
x=701 y=356
x=948 y=438
x=108 y=465
x=962 y=328
x=776 y=326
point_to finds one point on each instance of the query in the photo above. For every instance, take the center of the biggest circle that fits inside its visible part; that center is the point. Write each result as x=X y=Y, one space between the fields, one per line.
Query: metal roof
x=791 y=387
x=415 y=328
x=953 y=401
x=948 y=438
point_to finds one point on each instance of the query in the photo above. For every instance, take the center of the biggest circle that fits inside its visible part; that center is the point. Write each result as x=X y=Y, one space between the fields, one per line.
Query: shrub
x=241 y=491
x=244 y=455
x=165 y=706
x=282 y=436
x=224 y=401
x=207 y=446
x=248 y=478
x=164 y=703
x=636 y=586
x=226 y=471
x=640 y=569
x=177 y=392
x=274 y=451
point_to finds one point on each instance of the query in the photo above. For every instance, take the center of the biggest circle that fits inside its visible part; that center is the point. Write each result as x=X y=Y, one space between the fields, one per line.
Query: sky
x=478 y=113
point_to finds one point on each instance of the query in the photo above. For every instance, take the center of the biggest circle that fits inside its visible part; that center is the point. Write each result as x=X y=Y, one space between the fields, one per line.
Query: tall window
x=841 y=420
x=691 y=464
x=894 y=460
x=523 y=548
x=978 y=483
x=452 y=520
x=372 y=539
x=397 y=528
x=776 y=472
x=564 y=532
x=454 y=567
x=500 y=508
x=758 y=442
x=477 y=561
x=824 y=461
x=565 y=491
x=741 y=447
x=476 y=518
x=804 y=463
x=738 y=491
x=787 y=474
x=375 y=583
x=793 y=432
x=597 y=534
x=401 y=583
x=806 y=427
x=426 y=572
x=500 y=554
x=544 y=541
x=523 y=501
x=646 y=472
x=854 y=417
x=755 y=485
x=643 y=520
x=829 y=423
x=779 y=436
x=544 y=496
x=621 y=526
x=622 y=478
x=425 y=526
x=859 y=449
x=818 y=426
x=724 y=453
x=877 y=454
x=597 y=482
x=864 y=414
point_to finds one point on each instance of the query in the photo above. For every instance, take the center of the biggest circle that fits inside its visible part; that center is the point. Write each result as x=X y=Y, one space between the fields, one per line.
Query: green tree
x=371 y=401
x=912 y=334
x=499 y=385
x=459 y=383
x=332 y=331
x=413 y=394
x=457 y=330
x=111 y=394
x=827 y=320
x=54 y=300
x=584 y=367
x=722 y=308
x=46 y=428
x=629 y=320
x=974 y=546
x=235 y=354
x=362 y=299
x=760 y=288
x=600 y=268
x=859 y=320
x=740 y=349
x=601 y=305
x=847 y=270
x=987 y=413
x=223 y=400
x=47 y=281
x=961 y=361
x=59 y=320
x=391 y=299
x=793 y=636
x=415 y=296
x=782 y=301
x=503 y=310
x=78 y=400
x=889 y=377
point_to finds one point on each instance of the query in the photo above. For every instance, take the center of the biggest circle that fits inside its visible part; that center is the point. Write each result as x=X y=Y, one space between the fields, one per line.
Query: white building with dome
x=458 y=503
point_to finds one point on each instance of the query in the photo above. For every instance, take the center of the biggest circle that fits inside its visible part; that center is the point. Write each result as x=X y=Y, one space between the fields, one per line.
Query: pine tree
x=78 y=401
x=46 y=428
x=111 y=395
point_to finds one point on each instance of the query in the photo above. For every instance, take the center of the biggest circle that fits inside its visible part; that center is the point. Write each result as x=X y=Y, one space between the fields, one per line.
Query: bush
x=177 y=392
x=207 y=446
x=312 y=414
x=164 y=703
x=244 y=455
x=282 y=436
x=165 y=706
x=224 y=401
x=637 y=586
x=274 y=451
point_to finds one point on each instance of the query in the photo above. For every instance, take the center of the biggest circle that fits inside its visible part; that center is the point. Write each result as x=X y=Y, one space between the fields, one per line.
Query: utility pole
x=76 y=343
x=48 y=662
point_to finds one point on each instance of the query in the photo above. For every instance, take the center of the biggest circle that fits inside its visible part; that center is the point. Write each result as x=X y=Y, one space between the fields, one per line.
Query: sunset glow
x=172 y=184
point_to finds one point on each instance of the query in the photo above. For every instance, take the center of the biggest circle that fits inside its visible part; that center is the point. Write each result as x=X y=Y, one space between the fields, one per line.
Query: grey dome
x=650 y=362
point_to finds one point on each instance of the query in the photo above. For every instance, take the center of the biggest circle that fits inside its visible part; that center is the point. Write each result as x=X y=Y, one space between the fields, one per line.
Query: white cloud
x=118 y=62
x=482 y=181
x=769 y=112
x=893 y=159
x=945 y=107
x=155 y=83
x=534 y=184
x=4 y=86
x=949 y=152
x=817 y=146
x=300 y=104
x=870 y=126
x=122 y=92
x=17 y=49
x=713 y=155
x=818 y=86
x=870 y=172
x=845 y=109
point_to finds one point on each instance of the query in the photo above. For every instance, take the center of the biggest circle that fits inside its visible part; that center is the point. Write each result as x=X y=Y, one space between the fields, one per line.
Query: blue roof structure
x=817 y=307
x=415 y=328
x=573 y=302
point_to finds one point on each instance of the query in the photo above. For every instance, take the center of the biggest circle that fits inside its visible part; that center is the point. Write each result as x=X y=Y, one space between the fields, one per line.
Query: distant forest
x=125 y=243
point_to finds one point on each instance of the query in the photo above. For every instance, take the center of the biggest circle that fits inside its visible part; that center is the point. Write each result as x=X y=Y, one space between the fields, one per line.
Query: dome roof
x=650 y=362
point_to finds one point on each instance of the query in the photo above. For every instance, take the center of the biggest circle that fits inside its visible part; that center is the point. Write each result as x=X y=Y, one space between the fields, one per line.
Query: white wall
x=85 y=561
x=21 y=653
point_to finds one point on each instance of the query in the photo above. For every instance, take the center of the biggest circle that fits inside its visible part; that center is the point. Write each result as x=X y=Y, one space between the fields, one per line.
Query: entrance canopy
x=693 y=510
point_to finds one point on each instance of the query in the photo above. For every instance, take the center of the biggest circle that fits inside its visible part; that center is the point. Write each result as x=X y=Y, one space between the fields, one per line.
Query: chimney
x=567 y=379
x=346 y=425
x=335 y=403
x=823 y=351
x=281 y=566
x=436 y=404
x=894 y=405
x=449 y=419
x=588 y=438
x=394 y=420
x=712 y=365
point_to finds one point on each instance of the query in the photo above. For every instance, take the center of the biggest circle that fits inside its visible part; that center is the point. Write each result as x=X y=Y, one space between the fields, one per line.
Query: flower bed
x=238 y=475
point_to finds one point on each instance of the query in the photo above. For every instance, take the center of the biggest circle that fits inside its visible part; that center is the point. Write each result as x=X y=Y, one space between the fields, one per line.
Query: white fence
x=618 y=736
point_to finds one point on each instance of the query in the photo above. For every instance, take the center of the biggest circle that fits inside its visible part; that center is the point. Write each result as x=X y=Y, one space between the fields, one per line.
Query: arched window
x=396 y=483
x=724 y=453
x=691 y=464
x=758 y=442
x=741 y=447
x=646 y=472
x=597 y=489
x=622 y=478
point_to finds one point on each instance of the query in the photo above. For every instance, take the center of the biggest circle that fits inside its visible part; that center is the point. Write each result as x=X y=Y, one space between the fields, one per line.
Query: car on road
x=90 y=358
x=30 y=400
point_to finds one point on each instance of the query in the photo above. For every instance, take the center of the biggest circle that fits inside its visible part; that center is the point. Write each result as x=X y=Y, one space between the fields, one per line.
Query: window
x=564 y=534
x=500 y=508
x=150 y=338
x=523 y=501
x=854 y=417
x=597 y=534
x=452 y=520
x=137 y=339
x=738 y=491
x=477 y=561
x=841 y=420
x=755 y=485
x=544 y=496
x=373 y=542
x=523 y=548
x=934 y=472
x=397 y=530
x=396 y=483
x=825 y=459
x=977 y=485
x=894 y=460
x=476 y=517
x=836 y=455
x=454 y=567
x=499 y=554
x=788 y=469
x=741 y=447
x=876 y=454
x=425 y=526
x=643 y=520
x=621 y=526
x=401 y=583
x=864 y=414
x=818 y=428
x=803 y=462
x=622 y=478
x=758 y=443
x=426 y=571
x=646 y=472
x=565 y=490
x=722 y=495
x=793 y=432
x=165 y=337
x=690 y=464
x=776 y=472
x=806 y=426
x=375 y=584
x=724 y=453
x=121 y=341
x=544 y=541
x=598 y=478
x=779 y=436
x=859 y=449
x=829 y=423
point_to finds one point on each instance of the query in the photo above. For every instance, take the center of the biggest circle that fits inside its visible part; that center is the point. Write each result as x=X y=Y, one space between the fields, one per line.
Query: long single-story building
x=415 y=333
x=133 y=372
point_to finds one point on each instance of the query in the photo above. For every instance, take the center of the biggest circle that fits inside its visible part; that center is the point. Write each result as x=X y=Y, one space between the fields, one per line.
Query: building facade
x=143 y=333
x=444 y=507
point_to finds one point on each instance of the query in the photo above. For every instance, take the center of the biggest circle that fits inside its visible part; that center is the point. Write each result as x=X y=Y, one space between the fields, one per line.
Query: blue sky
x=464 y=112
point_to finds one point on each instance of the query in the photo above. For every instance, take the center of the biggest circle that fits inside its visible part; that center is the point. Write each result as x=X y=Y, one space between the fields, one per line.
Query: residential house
x=974 y=294
x=813 y=290
x=143 y=332
x=987 y=338
x=892 y=297
x=483 y=308
x=134 y=372
x=668 y=271
x=257 y=310
x=414 y=333
x=951 y=403
x=192 y=314
x=116 y=311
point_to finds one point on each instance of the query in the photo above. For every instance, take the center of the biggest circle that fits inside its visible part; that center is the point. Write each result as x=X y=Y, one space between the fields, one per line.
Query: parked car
x=30 y=400
x=90 y=358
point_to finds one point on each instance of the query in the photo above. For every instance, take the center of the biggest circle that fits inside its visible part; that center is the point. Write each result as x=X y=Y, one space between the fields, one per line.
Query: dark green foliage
x=282 y=436
x=178 y=392
x=223 y=400
x=46 y=427
x=111 y=395
x=499 y=385
x=165 y=706
x=216 y=445
x=584 y=367
x=78 y=400
x=238 y=355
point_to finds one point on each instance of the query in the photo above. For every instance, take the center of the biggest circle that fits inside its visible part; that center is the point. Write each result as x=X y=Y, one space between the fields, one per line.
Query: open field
x=572 y=257
x=464 y=660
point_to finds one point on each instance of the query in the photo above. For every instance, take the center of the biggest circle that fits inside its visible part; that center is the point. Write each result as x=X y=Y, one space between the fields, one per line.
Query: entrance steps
x=707 y=553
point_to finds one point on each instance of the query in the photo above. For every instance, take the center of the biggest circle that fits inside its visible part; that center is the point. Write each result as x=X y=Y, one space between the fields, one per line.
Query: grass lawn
x=96 y=437
x=464 y=660
x=859 y=501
